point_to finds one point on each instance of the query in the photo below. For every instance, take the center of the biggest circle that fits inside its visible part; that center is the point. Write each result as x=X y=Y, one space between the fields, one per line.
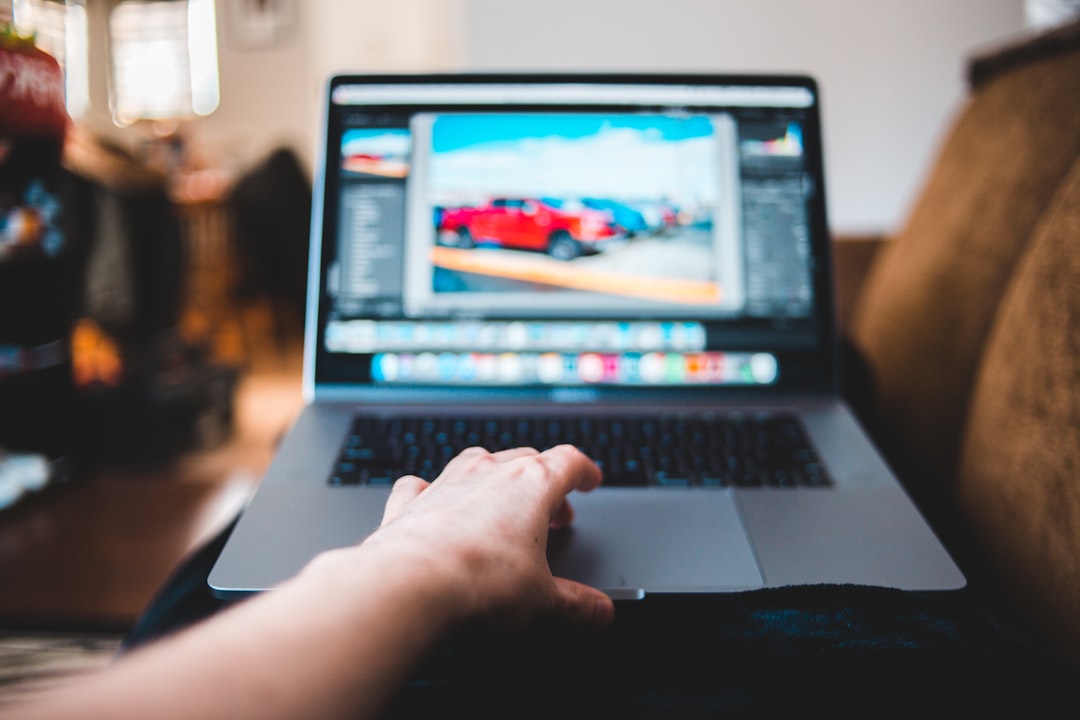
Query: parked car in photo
x=627 y=217
x=659 y=215
x=563 y=229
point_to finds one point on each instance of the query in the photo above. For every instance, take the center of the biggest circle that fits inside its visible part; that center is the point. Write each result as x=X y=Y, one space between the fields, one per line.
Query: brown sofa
x=964 y=335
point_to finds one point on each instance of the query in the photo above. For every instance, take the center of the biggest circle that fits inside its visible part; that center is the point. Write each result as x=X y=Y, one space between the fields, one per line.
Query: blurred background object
x=146 y=392
x=36 y=257
x=271 y=217
x=92 y=248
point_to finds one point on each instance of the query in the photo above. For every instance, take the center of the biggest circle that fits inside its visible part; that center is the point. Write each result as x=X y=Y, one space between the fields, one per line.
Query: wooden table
x=88 y=555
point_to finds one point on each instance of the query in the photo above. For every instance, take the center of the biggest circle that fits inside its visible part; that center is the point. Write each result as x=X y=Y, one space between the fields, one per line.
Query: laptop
x=637 y=264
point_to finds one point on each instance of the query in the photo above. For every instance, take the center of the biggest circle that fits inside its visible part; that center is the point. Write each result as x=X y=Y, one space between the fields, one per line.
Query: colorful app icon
x=674 y=368
x=427 y=367
x=714 y=367
x=764 y=368
x=591 y=368
x=696 y=368
x=549 y=368
x=448 y=367
x=485 y=367
x=652 y=368
x=384 y=368
x=466 y=370
x=611 y=367
x=630 y=369
x=406 y=366
x=508 y=368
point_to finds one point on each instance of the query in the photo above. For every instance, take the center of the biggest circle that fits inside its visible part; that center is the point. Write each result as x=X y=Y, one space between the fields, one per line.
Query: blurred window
x=60 y=28
x=164 y=59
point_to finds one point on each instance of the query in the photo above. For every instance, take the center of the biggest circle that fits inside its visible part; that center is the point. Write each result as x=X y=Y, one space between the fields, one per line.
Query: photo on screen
x=574 y=213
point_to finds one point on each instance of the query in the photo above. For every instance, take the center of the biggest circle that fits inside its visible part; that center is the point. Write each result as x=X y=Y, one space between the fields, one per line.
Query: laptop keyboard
x=709 y=450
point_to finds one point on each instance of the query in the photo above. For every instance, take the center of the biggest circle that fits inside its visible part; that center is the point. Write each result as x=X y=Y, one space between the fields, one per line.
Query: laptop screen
x=558 y=231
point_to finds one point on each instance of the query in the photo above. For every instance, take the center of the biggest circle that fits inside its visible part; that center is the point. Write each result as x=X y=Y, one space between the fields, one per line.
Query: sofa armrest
x=852 y=257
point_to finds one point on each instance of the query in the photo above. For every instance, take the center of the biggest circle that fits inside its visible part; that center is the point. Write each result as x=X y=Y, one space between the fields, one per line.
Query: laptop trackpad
x=632 y=542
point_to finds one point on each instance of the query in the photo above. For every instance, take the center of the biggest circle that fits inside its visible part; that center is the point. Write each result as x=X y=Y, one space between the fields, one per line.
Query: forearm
x=336 y=642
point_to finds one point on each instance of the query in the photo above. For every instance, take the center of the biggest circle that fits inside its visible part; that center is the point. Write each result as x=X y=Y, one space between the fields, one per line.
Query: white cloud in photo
x=617 y=163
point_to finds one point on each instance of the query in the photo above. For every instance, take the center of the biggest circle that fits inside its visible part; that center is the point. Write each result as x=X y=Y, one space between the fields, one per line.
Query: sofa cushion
x=1019 y=475
x=930 y=299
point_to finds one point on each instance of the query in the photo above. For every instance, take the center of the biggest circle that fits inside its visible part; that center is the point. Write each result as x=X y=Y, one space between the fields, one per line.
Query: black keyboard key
x=713 y=481
x=668 y=480
x=381 y=477
x=630 y=475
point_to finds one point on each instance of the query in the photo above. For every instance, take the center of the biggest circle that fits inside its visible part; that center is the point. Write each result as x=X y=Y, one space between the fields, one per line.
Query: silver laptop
x=636 y=264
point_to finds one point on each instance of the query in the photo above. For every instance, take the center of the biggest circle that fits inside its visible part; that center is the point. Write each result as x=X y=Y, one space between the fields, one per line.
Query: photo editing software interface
x=567 y=235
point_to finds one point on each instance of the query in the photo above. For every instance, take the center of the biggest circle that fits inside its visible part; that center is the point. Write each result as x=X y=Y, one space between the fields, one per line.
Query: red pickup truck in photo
x=564 y=229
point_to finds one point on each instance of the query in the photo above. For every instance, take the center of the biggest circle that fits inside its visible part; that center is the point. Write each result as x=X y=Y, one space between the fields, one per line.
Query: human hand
x=337 y=640
x=483 y=525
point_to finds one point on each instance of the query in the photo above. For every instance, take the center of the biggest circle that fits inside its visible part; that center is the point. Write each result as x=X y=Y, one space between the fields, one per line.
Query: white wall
x=264 y=102
x=271 y=95
x=381 y=36
x=891 y=72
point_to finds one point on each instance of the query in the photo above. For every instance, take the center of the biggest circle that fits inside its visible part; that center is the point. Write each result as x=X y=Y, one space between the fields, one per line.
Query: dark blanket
x=789 y=652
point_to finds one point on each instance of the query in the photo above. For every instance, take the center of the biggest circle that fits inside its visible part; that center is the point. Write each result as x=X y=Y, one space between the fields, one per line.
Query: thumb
x=405 y=490
x=583 y=605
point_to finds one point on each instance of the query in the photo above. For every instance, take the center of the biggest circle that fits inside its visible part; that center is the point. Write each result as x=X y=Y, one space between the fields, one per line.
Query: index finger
x=572 y=468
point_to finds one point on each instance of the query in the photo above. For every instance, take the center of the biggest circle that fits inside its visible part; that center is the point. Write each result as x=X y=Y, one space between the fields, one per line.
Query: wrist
x=431 y=593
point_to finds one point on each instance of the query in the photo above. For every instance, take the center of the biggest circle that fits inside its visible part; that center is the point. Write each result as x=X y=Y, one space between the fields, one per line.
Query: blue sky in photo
x=454 y=132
